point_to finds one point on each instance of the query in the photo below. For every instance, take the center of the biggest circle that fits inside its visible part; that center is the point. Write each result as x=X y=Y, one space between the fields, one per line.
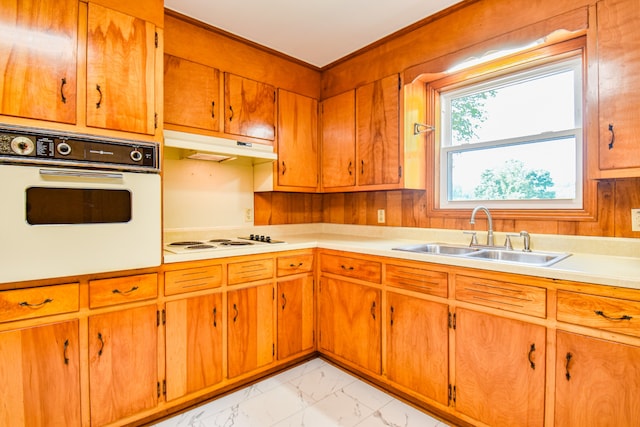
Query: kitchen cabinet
x=38 y=79
x=123 y=363
x=499 y=369
x=250 y=108
x=338 y=138
x=121 y=57
x=297 y=146
x=191 y=94
x=295 y=316
x=193 y=344
x=417 y=353
x=40 y=375
x=618 y=87
x=597 y=382
x=250 y=340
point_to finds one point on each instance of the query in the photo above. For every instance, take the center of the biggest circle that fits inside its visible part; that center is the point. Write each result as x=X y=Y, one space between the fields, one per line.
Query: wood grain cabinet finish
x=250 y=271
x=192 y=279
x=295 y=264
x=417 y=278
x=120 y=290
x=40 y=376
x=193 y=344
x=499 y=369
x=597 y=382
x=37 y=302
x=250 y=107
x=191 y=94
x=123 y=363
x=297 y=146
x=38 y=79
x=338 y=140
x=294 y=304
x=619 y=86
x=417 y=353
x=356 y=268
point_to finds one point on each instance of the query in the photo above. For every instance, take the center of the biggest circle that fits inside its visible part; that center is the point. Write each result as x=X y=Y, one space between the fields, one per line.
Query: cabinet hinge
x=158 y=318
x=273 y=349
x=164 y=317
x=155 y=120
x=450 y=392
x=161 y=317
x=164 y=387
x=273 y=293
x=399 y=82
x=399 y=171
x=156 y=39
x=452 y=320
x=158 y=389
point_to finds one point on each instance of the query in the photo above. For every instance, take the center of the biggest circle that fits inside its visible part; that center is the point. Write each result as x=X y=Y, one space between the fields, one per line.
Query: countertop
x=604 y=261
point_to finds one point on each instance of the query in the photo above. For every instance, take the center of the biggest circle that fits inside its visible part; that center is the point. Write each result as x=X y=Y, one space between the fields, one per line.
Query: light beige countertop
x=598 y=260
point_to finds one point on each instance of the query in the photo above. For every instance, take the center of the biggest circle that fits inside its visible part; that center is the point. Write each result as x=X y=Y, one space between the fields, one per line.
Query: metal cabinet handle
x=613 y=136
x=623 y=317
x=284 y=301
x=235 y=309
x=213 y=109
x=118 y=291
x=231 y=110
x=296 y=266
x=362 y=167
x=373 y=310
x=284 y=168
x=391 y=316
x=215 y=313
x=64 y=352
x=101 y=344
x=350 y=268
x=26 y=304
x=100 y=93
x=349 y=168
x=566 y=366
x=62 y=85
x=532 y=349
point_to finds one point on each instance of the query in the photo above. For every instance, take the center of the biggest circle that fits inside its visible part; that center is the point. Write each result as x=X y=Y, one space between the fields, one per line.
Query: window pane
x=528 y=171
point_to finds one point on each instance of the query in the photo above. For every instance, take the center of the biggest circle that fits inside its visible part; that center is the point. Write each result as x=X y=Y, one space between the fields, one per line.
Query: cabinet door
x=377 y=132
x=597 y=382
x=349 y=322
x=338 y=133
x=297 y=141
x=39 y=376
x=250 y=329
x=499 y=369
x=193 y=344
x=418 y=345
x=191 y=94
x=121 y=53
x=123 y=363
x=295 y=316
x=38 y=76
x=250 y=107
x=619 y=82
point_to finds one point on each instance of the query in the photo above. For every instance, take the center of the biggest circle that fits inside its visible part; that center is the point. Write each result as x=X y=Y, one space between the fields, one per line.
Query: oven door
x=61 y=222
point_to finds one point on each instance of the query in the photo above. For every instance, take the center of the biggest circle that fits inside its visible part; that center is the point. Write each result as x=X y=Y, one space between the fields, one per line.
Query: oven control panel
x=26 y=145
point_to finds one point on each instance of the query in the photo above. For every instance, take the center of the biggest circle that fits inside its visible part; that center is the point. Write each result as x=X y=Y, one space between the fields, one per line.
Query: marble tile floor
x=314 y=394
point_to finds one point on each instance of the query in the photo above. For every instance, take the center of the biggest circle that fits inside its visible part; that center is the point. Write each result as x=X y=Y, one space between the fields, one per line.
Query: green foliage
x=514 y=182
x=467 y=113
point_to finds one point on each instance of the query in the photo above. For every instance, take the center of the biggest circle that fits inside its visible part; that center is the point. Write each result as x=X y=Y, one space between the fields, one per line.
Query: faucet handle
x=507 y=241
x=474 y=238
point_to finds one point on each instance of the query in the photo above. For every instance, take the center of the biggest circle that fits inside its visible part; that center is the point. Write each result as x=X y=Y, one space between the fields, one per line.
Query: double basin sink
x=539 y=259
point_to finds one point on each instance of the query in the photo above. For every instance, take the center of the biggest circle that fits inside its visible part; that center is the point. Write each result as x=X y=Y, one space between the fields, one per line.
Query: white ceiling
x=318 y=32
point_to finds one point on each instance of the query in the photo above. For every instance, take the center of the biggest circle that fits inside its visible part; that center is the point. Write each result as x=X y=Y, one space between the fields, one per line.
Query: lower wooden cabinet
x=295 y=316
x=417 y=353
x=499 y=369
x=349 y=322
x=39 y=376
x=193 y=344
x=597 y=382
x=250 y=340
x=123 y=363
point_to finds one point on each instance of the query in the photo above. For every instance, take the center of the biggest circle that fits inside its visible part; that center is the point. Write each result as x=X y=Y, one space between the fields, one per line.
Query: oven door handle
x=80 y=174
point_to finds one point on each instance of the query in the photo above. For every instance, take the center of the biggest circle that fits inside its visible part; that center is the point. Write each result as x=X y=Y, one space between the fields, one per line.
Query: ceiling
x=318 y=32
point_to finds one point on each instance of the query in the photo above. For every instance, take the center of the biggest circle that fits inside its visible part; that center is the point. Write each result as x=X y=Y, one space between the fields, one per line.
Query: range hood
x=204 y=147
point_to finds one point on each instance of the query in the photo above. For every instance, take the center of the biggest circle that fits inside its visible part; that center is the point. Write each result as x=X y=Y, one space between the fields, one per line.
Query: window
x=513 y=140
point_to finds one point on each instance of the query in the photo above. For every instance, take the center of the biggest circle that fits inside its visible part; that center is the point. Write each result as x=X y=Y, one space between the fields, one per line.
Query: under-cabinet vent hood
x=203 y=147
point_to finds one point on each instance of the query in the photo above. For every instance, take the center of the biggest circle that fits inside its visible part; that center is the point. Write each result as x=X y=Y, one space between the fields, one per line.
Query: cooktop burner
x=235 y=243
x=217 y=244
x=203 y=246
x=186 y=243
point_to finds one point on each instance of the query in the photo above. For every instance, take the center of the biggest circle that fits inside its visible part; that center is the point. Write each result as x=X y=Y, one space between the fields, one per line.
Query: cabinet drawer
x=611 y=314
x=371 y=271
x=249 y=271
x=36 y=302
x=518 y=298
x=192 y=279
x=295 y=264
x=417 y=279
x=120 y=290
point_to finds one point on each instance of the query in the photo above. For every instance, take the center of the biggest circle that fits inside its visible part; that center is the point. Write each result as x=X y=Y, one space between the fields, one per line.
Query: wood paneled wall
x=408 y=208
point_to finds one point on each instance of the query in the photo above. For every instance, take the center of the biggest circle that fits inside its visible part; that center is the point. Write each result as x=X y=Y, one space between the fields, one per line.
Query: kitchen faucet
x=490 y=241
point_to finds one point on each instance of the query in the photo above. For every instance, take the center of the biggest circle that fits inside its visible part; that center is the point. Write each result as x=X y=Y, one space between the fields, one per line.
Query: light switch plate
x=381 y=216
x=635 y=219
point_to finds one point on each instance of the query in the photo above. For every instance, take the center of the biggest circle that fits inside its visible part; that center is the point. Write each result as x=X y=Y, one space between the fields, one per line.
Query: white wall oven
x=76 y=204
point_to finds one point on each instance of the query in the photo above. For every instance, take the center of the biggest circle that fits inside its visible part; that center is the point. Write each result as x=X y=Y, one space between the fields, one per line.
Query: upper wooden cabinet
x=191 y=94
x=338 y=133
x=250 y=107
x=121 y=52
x=619 y=87
x=297 y=146
x=38 y=59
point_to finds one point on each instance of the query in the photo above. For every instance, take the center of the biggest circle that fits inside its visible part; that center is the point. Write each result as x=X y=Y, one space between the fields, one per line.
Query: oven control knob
x=136 y=156
x=22 y=145
x=63 y=148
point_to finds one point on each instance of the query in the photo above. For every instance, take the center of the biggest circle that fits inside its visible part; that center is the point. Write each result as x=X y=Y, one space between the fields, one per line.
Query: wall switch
x=380 y=216
x=248 y=215
x=635 y=219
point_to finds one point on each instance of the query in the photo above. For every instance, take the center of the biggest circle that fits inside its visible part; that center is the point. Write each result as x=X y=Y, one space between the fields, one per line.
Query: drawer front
x=371 y=271
x=611 y=314
x=250 y=271
x=518 y=298
x=417 y=279
x=192 y=279
x=36 y=302
x=295 y=264
x=119 y=290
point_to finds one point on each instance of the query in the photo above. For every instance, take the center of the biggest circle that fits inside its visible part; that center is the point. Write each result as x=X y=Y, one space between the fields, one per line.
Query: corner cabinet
x=619 y=88
x=250 y=108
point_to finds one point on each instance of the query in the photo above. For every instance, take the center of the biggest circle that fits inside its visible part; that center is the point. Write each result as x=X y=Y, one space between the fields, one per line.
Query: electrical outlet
x=635 y=219
x=248 y=215
x=380 y=216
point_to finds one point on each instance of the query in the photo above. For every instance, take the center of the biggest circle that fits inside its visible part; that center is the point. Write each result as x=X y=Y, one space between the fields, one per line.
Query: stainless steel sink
x=438 y=249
